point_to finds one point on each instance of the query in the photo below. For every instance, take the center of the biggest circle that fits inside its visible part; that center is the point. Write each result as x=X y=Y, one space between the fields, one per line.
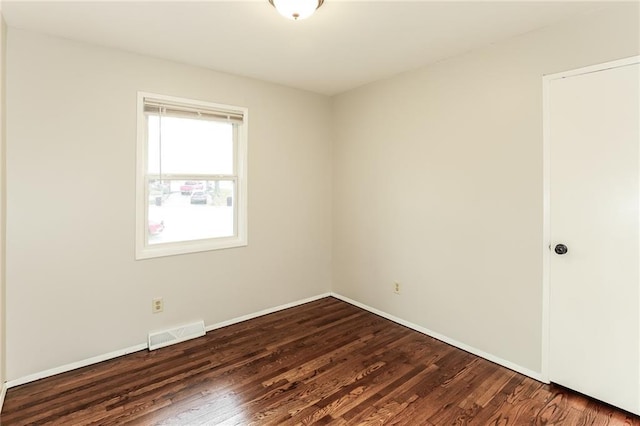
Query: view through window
x=193 y=163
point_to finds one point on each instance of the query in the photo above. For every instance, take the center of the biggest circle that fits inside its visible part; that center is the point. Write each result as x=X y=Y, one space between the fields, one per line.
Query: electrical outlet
x=157 y=305
x=396 y=287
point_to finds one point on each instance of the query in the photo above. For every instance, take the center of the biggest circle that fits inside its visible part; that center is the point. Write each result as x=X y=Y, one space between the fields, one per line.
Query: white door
x=592 y=127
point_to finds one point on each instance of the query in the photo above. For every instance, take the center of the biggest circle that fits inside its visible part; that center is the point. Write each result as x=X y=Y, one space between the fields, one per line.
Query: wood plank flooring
x=325 y=362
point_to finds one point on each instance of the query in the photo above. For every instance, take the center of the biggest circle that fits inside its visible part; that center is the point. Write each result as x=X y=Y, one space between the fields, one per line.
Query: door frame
x=546 y=211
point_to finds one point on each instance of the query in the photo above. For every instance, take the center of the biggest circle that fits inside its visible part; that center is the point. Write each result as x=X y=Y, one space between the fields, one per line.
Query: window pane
x=190 y=210
x=189 y=146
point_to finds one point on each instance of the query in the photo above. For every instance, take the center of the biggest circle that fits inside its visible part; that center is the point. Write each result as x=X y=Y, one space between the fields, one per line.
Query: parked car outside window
x=155 y=227
x=190 y=186
x=199 y=197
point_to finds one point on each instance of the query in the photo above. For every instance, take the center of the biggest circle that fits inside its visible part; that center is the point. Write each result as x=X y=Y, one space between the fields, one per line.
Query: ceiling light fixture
x=296 y=9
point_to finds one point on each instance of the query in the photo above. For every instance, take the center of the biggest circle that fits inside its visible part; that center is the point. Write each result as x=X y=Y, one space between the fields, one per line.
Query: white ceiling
x=344 y=45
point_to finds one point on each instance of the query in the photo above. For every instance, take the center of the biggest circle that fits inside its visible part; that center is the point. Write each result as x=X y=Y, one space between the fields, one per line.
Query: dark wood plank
x=324 y=362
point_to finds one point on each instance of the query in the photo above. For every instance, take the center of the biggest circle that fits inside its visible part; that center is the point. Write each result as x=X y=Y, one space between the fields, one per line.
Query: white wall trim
x=265 y=312
x=546 y=197
x=482 y=354
x=104 y=357
x=74 y=365
x=3 y=393
x=546 y=230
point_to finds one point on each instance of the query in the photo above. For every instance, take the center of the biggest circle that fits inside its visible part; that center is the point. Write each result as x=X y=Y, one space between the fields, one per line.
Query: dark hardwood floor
x=324 y=362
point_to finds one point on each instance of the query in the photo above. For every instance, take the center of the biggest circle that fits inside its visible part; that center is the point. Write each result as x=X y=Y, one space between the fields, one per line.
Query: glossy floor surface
x=325 y=362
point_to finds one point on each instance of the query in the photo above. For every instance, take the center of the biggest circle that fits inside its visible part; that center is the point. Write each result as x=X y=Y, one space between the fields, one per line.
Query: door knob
x=560 y=249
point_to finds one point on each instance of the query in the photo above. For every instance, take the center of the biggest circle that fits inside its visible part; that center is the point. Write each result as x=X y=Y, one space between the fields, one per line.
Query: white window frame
x=239 y=239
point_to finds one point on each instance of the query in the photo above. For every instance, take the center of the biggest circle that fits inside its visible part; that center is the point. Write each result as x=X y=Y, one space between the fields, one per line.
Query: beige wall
x=3 y=38
x=74 y=288
x=438 y=185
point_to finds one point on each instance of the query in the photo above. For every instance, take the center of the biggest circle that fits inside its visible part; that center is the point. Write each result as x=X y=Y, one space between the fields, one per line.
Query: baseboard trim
x=3 y=393
x=265 y=312
x=104 y=357
x=74 y=365
x=482 y=354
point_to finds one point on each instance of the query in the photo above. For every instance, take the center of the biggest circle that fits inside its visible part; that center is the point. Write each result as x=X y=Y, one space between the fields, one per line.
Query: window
x=191 y=176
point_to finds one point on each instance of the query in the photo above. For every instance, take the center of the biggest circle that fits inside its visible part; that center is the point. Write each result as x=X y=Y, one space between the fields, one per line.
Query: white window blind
x=174 y=109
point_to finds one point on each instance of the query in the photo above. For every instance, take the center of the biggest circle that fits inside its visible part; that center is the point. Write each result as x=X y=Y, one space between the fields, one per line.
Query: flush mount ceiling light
x=296 y=9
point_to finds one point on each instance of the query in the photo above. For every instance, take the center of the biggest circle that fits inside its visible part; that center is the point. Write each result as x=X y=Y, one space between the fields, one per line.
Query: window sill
x=173 y=249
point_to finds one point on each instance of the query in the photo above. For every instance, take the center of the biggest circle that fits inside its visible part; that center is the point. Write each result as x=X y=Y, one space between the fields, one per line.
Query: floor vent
x=160 y=339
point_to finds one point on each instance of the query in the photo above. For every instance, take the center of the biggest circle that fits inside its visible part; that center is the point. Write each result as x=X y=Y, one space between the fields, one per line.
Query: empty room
x=270 y=212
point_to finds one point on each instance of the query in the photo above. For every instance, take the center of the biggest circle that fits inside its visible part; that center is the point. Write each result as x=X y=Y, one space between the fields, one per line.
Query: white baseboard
x=3 y=393
x=265 y=312
x=142 y=346
x=104 y=357
x=482 y=354
x=72 y=366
